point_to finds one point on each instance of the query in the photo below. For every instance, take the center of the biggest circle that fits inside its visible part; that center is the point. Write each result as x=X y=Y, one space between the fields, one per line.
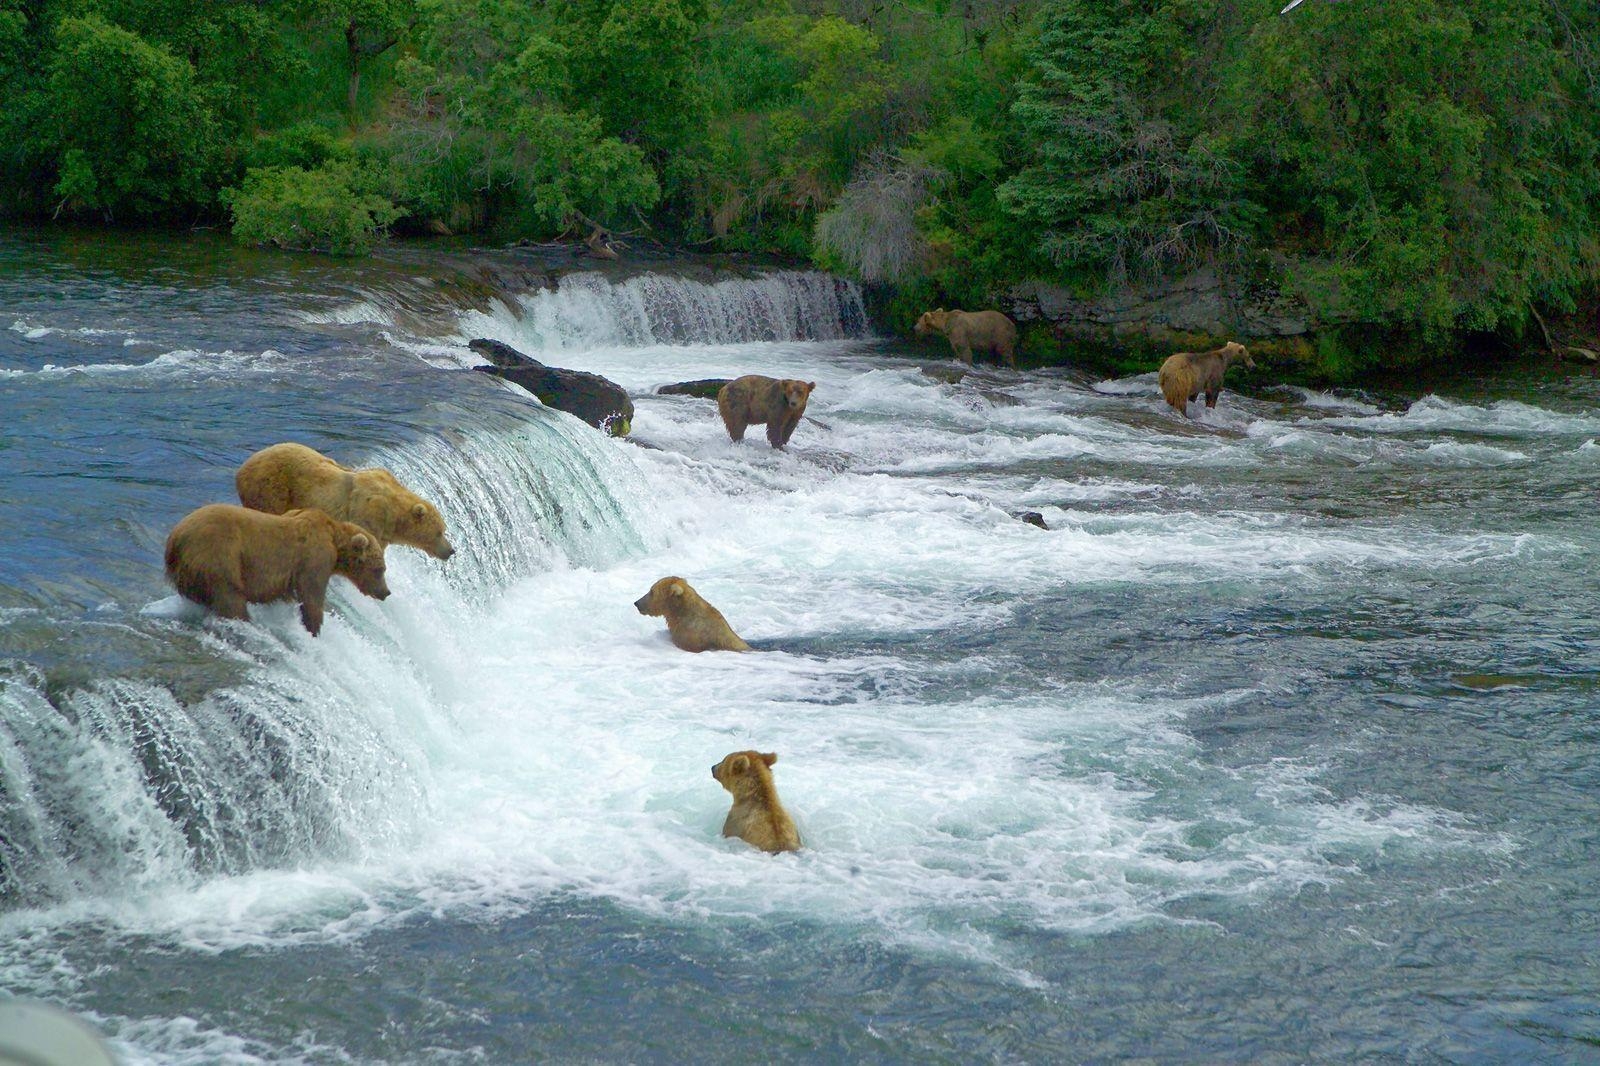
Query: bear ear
x=810 y=385
x=677 y=588
x=419 y=510
x=769 y=757
x=739 y=764
x=359 y=542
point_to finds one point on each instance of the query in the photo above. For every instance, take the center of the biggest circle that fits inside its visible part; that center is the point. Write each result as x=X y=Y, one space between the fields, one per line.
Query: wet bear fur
x=970 y=331
x=692 y=623
x=224 y=557
x=756 y=817
x=286 y=476
x=1186 y=375
x=754 y=400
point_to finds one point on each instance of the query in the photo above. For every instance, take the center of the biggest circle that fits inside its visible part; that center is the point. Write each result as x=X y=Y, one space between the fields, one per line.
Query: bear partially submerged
x=756 y=817
x=970 y=331
x=286 y=476
x=755 y=400
x=1186 y=375
x=692 y=623
x=224 y=557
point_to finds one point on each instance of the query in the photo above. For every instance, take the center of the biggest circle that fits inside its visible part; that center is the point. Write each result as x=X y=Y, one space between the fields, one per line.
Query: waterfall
x=589 y=310
x=312 y=748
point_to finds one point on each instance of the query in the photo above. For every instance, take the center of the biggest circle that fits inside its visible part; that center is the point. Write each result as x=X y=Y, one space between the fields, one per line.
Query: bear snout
x=444 y=550
x=642 y=604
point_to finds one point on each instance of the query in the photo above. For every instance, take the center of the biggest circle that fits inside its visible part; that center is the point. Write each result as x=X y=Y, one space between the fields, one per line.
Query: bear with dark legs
x=973 y=331
x=755 y=400
x=692 y=623
x=1186 y=375
x=288 y=476
x=757 y=817
x=224 y=557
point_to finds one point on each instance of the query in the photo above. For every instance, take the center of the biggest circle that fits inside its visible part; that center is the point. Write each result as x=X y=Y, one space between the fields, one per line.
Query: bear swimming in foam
x=1186 y=375
x=756 y=816
x=224 y=557
x=692 y=623
x=286 y=476
x=754 y=400
x=969 y=331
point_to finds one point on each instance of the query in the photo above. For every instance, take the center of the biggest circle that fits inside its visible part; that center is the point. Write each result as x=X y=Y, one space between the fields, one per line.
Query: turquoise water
x=1278 y=746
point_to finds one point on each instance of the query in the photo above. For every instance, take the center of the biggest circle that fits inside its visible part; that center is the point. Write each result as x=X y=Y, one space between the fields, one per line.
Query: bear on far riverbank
x=224 y=557
x=1186 y=375
x=286 y=476
x=755 y=399
x=969 y=331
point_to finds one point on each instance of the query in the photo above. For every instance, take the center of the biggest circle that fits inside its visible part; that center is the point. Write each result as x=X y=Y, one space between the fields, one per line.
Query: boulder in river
x=598 y=401
x=705 y=388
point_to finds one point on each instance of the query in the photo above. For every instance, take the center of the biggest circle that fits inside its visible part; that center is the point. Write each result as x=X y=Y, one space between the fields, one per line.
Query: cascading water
x=586 y=311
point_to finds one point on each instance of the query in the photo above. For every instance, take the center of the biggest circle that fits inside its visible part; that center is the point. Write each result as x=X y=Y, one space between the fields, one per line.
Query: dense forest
x=1427 y=168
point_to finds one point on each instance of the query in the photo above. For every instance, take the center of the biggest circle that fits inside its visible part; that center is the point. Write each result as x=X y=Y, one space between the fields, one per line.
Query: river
x=1280 y=744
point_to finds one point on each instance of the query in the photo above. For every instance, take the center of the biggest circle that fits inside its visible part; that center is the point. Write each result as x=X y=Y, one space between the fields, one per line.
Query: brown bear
x=984 y=331
x=757 y=817
x=286 y=476
x=224 y=557
x=693 y=624
x=1186 y=375
x=754 y=399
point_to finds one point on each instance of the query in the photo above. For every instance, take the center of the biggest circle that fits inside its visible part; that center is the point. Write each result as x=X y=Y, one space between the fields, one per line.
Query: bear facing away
x=1186 y=375
x=756 y=817
x=754 y=399
x=224 y=557
x=692 y=623
x=969 y=331
x=286 y=476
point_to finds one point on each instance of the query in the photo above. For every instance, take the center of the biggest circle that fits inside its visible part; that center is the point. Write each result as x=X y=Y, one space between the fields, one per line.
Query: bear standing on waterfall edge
x=225 y=557
x=756 y=817
x=754 y=399
x=286 y=476
x=1186 y=375
x=969 y=331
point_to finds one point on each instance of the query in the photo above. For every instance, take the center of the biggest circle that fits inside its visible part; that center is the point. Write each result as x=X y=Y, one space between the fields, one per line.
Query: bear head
x=360 y=559
x=738 y=771
x=661 y=594
x=1234 y=352
x=796 y=393
x=933 y=322
x=422 y=525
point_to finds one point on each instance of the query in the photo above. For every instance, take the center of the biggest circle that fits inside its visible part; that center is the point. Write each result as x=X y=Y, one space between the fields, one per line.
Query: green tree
x=1126 y=177
x=1436 y=163
x=131 y=132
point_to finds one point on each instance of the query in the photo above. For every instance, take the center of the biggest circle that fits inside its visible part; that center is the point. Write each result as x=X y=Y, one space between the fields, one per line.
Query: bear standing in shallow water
x=754 y=399
x=692 y=623
x=1186 y=375
x=756 y=817
x=225 y=557
x=969 y=331
x=286 y=476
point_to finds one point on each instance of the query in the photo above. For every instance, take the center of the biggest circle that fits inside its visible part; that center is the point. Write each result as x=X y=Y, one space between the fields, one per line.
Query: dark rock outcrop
x=599 y=401
x=1033 y=518
x=705 y=388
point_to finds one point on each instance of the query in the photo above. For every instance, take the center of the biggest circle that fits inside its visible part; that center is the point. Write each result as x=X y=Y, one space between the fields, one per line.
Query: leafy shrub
x=333 y=208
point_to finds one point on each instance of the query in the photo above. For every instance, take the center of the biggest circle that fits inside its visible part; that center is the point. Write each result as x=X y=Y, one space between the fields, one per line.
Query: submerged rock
x=705 y=388
x=598 y=401
x=1033 y=518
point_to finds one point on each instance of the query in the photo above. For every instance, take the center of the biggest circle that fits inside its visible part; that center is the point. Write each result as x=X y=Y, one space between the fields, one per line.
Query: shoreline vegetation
x=1354 y=189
